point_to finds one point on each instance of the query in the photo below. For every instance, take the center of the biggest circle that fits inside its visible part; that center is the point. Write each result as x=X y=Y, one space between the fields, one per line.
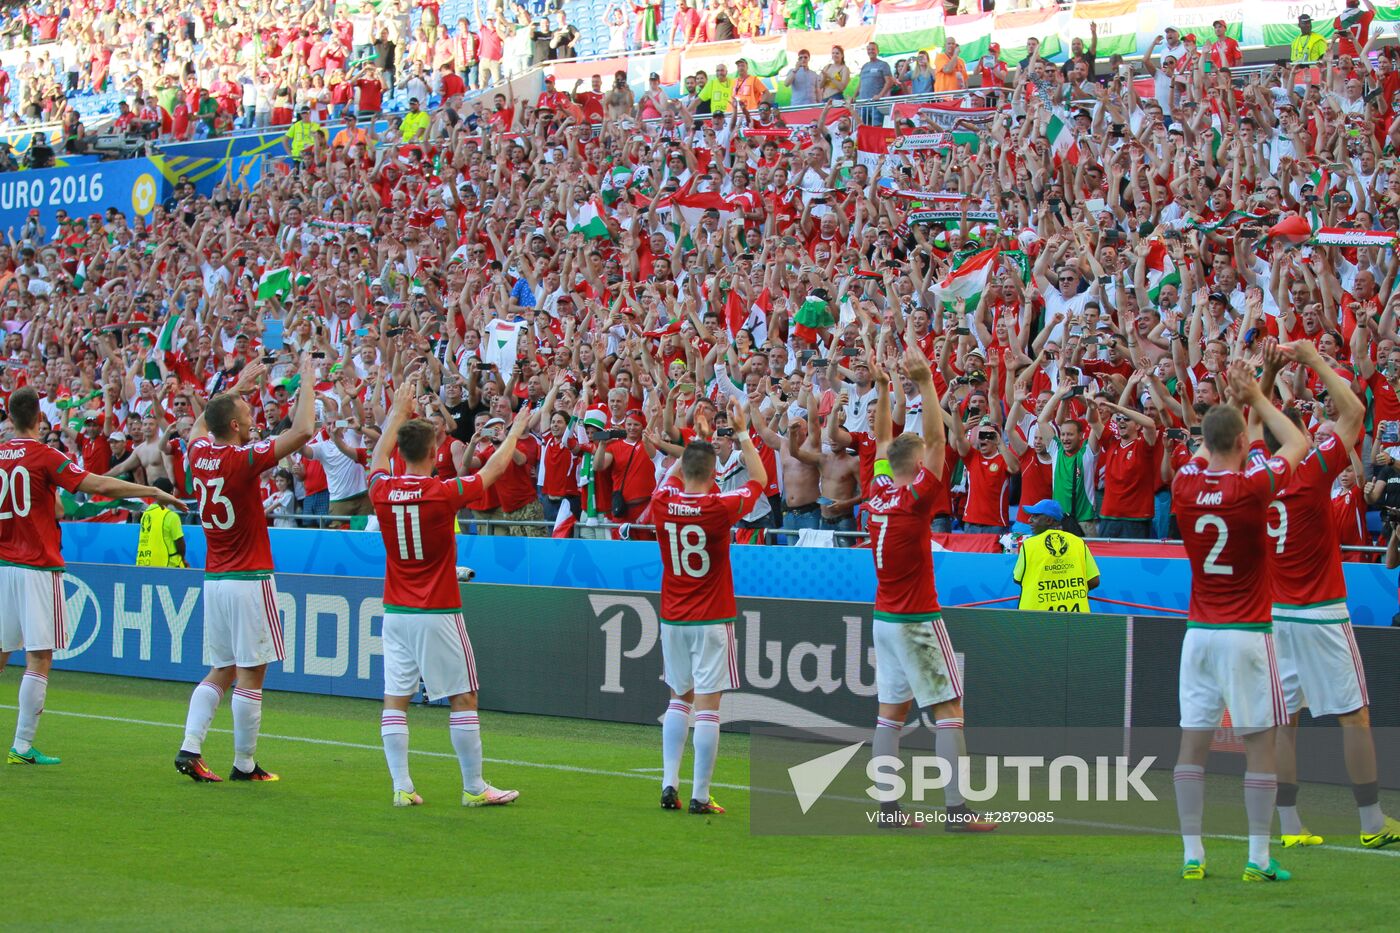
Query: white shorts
x=702 y=658
x=1320 y=667
x=432 y=646
x=242 y=625
x=1234 y=669
x=34 y=617
x=915 y=660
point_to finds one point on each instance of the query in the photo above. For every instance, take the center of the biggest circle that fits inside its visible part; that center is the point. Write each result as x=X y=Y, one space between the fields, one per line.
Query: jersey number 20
x=15 y=498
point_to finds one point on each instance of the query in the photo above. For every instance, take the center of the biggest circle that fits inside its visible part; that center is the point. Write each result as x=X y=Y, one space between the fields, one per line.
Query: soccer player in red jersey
x=913 y=654
x=1318 y=662
x=242 y=625
x=424 y=634
x=31 y=559
x=693 y=524
x=1221 y=499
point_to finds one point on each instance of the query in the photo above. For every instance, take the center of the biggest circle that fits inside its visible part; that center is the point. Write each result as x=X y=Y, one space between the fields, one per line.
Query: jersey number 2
x=1212 y=564
x=686 y=542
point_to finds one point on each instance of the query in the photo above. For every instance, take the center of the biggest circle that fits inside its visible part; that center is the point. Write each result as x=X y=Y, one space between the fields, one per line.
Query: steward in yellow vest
x=1055 y=569
x=162 y=540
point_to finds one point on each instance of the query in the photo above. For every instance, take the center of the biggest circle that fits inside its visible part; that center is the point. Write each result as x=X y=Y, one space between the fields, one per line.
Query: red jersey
x=633 y=473
x=988 y=489
x=29 y=471
x=1130 y=478
x=445 y=468
x=1224 y=527
x=1037 y=482
x=1307 y=564
x=516 y=487
x=693 y=532
x=557 y=462
x=899 y=532
x=226 y=483
x=416 y=516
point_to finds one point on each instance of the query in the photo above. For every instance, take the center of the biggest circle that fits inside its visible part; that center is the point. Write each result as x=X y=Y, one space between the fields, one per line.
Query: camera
x=724 y=432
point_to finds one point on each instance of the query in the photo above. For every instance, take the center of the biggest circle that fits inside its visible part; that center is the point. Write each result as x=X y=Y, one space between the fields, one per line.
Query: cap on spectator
x=33 y=212
x=636 y=414
x=118 y=436
x=1220 y=297
x=549 y=79
x=596 y=419
x=994 y=48
x=1047 y=507
x=1219 y=22
x=492 y=422
x=1305 y=18
x=1189 y=37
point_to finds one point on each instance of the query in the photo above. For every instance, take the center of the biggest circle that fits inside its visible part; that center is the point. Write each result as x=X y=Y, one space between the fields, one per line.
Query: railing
x=322 y=520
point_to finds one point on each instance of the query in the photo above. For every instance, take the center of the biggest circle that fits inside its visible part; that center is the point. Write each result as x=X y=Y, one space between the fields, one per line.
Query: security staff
x=1309 y=46
x=1055 y=569
x=300 y=136
x=162 y=540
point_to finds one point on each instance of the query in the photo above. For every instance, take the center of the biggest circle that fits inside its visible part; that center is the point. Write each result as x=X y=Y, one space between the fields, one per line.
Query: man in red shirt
x=1221 y=500
x=492 y=50
x=914 y=660
x=1130 y=471
x=989 y=463
x=242 y=625
x=369 y=85
x=632 y=469
x=698 y=652
x=1318 y=661
x=1224 y=52
x=591 y=100
x=31 y=559
x=516 y=490
x=425 y=636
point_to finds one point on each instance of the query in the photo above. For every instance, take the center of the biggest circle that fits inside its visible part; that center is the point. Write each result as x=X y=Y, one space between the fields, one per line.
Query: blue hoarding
x=132 y=186
x=836 y=574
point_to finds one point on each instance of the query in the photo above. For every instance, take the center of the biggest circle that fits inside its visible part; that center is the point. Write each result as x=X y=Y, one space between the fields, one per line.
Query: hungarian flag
x=963 y=286
x=1160 y=270
x=165 y=342
x=757 y=321
x=665 y=330
x=812 y=317
x=692 y=205
x=588 y=220
x=564 y=522
x=1342 y=236
x=871 y=143
x=275 y=282
x=1292 y=229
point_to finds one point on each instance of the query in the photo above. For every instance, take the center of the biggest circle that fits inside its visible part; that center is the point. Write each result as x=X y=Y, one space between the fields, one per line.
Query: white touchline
x=626 y=774
x=372 y=748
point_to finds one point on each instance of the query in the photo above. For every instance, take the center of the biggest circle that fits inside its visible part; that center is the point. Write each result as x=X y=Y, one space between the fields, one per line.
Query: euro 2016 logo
x=1056 y=544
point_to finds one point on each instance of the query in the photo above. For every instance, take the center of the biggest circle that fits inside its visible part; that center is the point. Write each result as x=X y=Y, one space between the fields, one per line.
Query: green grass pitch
x=114 y=839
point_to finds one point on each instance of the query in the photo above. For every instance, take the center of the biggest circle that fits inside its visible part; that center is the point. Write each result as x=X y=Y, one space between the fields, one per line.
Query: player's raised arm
x=114 y=488
x=1293 y=443
x=304 y=415
x=739 y=421
x=916 y=366
x=400 y=411
x=494 y=467
x=1351 y=411
x=884 y=429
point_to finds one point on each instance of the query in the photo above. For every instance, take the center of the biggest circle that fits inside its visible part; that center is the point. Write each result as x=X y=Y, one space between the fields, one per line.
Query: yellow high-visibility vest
x=1054 y=569
x=160 y=529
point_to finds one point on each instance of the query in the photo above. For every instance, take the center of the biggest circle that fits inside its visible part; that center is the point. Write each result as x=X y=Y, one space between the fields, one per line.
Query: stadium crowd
x=1080 y=266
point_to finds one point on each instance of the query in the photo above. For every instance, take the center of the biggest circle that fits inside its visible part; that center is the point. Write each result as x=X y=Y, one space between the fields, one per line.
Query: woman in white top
x=280 y=500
